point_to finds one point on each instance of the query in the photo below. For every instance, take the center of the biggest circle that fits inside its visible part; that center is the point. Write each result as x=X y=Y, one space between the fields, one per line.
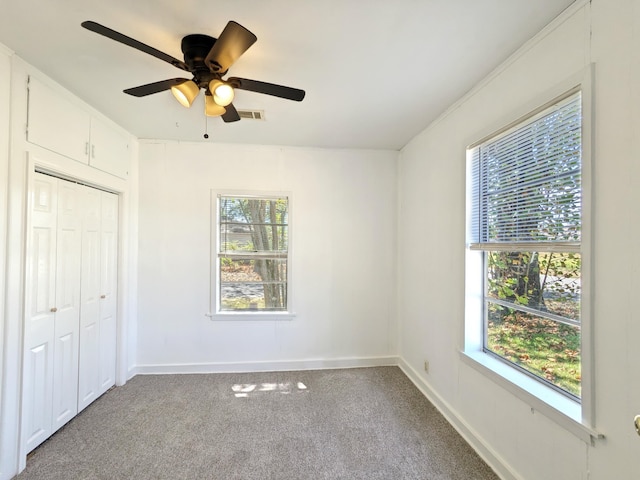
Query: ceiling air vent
x=251 y=114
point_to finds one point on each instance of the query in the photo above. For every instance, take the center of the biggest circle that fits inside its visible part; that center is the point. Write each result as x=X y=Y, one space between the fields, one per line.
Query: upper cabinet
x=56 y=123
x=60 y=125
x=109 y=149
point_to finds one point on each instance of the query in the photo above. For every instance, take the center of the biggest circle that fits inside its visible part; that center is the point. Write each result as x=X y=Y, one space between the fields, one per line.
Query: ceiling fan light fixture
x=206 y=69
x=222 y=92
x=211 y=108
x=185 y=92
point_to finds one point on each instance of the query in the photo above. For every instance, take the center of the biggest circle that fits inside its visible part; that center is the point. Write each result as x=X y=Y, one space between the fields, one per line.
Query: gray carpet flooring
x=365 y=423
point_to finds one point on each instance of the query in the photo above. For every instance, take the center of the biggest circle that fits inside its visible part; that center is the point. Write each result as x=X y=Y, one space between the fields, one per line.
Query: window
x=252 y=255
x=526 y=224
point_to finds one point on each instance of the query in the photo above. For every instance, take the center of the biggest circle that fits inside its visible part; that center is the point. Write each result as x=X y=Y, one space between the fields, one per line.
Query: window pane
x=549 y=350
x=253 y=238
x=527 y=182
x=245 y=210
x=253 y=224
x=253 y=284
x=545 y=281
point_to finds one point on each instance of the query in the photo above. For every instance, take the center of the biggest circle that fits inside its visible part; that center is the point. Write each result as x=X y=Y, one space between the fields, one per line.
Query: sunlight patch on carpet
x=243 y=390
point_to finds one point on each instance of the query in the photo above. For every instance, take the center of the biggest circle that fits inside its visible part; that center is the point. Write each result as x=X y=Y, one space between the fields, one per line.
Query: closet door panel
x=89 y=377
x=37 y=390
x=40 y=313
x=108 y=288
x=89 y=382
x=65 y=397
x=65 y=374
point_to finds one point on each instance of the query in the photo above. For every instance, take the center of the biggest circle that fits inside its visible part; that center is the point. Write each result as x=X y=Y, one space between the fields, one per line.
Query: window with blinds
x=526 y=182
x=252 y=254
x=526 y=218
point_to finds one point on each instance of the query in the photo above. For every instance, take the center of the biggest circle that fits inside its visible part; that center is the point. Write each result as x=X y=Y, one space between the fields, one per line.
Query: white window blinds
x=526 y=182
x=253 y=225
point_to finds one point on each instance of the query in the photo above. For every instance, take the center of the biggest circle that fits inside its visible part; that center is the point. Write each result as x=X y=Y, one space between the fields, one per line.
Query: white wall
x=5 y=91
x=343 y=210
x=520 y=443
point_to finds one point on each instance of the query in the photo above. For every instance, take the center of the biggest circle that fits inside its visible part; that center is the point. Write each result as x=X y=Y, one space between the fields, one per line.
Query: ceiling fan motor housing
x=195 y=48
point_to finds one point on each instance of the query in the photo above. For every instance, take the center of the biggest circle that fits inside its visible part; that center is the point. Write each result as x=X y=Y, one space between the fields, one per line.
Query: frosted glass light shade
x=222 y=92
x=211 y=108
x=185 y=92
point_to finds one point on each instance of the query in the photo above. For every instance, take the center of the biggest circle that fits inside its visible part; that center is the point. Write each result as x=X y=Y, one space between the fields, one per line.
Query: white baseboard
x=473 y=438
x=273 y=366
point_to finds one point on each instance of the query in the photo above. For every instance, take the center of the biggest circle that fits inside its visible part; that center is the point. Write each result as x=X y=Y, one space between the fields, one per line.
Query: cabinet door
x=109 y=149
x=56 y=123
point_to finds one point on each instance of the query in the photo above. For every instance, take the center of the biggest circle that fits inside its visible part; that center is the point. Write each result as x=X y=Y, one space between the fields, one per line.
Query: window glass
x=252 y=256
x=533 y=314
x=527 y=220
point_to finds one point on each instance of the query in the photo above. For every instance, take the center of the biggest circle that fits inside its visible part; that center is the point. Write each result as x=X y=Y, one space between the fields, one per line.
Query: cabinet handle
x=93 y=151
x=86 y=148
x=103 y=296
x=54 y=309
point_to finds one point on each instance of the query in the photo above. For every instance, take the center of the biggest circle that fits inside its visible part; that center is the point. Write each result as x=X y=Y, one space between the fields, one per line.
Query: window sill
x=562 y=410
x=249 y=316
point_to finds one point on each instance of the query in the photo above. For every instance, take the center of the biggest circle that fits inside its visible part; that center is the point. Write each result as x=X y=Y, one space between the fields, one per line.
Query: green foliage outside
x=243 y=303
x=547 y=283
x=548 y=349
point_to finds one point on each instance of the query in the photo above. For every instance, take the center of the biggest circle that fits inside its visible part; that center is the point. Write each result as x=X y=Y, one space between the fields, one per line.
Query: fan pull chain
x=206 y=129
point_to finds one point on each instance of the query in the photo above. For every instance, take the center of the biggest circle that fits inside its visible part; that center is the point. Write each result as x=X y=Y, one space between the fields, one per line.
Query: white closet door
x=65 y=373
x=40 y=313
x=108 y=288
x=99 y=299
x=89 y=378
x=52 y=309
x=70 y=310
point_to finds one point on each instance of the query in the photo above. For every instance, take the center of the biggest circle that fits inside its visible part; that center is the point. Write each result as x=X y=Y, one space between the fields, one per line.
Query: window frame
x=515 y=238
x=215 y=311
x=576 y=416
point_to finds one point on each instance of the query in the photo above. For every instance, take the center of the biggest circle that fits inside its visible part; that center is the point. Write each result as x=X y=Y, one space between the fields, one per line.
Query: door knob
x=54 y=309
x=103 y=296
x=636 y=423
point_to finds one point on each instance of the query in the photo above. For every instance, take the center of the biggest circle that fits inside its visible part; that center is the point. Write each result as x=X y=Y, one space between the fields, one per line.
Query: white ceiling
x=376 y=72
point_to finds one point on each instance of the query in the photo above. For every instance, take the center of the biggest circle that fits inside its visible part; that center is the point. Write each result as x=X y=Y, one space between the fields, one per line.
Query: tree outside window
x=252 y=258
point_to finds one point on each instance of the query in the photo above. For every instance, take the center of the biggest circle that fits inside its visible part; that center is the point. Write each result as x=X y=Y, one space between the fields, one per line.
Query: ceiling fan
x=208 y=59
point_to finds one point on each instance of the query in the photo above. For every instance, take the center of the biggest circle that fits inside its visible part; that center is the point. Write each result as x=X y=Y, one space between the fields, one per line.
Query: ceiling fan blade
x=150 y=88
x=119 y=37
x=232 y=42
x=267 y=88
x=231 y=115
